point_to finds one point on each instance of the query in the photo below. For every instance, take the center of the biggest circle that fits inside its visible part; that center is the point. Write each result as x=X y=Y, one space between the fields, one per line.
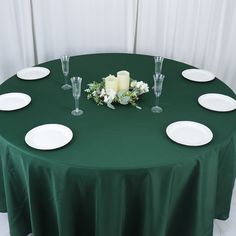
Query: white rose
x=133 y=83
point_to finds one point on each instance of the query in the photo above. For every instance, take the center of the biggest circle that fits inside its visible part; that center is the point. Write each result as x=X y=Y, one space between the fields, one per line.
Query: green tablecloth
x=120 y=175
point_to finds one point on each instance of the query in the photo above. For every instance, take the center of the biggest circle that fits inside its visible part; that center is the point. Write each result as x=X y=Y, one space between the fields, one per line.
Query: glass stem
x=157 y=101
x=77 y=104
x=66 y=79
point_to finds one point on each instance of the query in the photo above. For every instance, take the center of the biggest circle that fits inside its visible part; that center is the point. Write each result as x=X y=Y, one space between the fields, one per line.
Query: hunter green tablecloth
x=120 y=175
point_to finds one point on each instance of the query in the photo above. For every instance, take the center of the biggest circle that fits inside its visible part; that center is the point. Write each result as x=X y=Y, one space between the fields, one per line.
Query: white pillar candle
x=123 y=80
x=111 y=82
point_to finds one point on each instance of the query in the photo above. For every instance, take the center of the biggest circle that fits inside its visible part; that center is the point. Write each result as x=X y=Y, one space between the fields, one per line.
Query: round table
x=120 y=175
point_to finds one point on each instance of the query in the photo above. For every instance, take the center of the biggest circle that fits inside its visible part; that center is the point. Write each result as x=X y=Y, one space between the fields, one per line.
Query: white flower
x=105 y=98
x=94 y=93
x=124 y=100
x=144 y=88
x=102 y=93
x=111 y=94
x=133 y=83
x=141 y=85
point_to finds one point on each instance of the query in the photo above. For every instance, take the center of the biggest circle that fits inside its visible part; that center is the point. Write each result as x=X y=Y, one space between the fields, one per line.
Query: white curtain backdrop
x=80 y=27
x=198 y=32
x=16 y=41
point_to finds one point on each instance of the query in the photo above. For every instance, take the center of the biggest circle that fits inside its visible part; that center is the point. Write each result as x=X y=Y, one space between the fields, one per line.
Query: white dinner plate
x=189 y=133
x=217 y=102
x=13 y=101
x=48 y=136
x=33 y=73
x=198 y=75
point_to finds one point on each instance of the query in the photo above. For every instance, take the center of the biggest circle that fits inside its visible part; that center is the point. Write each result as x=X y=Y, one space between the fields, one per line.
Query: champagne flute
x=158 y=82
x=158 y=64
x=76 y=89
x=65 y=69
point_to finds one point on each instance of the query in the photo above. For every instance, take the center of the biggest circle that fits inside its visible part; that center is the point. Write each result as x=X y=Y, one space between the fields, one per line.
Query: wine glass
x=65 y=69
x=158 y=82
x=76 y=89
x=158 y=64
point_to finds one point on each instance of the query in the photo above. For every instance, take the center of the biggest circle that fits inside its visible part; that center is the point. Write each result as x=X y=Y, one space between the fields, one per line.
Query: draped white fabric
x=80 y=27
x=198 y=32
x=16 y=41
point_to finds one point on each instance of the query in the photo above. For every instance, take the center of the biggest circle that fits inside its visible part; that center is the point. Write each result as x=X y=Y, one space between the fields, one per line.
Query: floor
x=221 y=228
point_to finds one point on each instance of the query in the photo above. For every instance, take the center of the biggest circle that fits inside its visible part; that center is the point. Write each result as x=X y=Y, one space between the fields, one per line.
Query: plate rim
x=206 y=94
x=196 y=69
x=193 y=122
x=26 y=138
x=22 y=94
x=31 y=68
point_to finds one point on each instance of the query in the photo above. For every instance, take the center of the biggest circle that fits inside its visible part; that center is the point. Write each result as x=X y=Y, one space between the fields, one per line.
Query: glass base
x=77 y=112
x=66 y=86
x=156 y=109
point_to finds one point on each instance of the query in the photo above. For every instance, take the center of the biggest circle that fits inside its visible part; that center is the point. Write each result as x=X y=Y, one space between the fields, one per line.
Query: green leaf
x=110 y=106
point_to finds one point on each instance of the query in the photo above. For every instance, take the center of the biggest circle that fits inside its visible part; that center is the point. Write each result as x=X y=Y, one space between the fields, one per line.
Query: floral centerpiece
x=120 y=89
